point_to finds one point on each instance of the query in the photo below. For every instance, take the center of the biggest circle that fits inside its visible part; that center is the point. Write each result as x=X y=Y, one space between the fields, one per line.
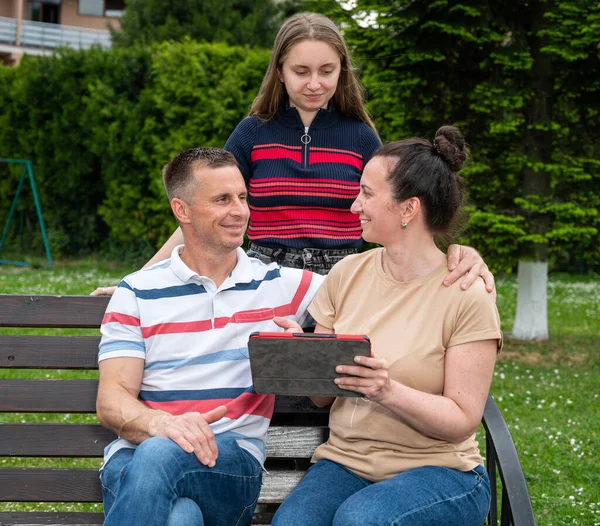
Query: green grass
x=67 y=277
x=549 y=392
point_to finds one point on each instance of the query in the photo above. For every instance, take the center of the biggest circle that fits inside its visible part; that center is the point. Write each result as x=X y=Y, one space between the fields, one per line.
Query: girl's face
x=310 y=73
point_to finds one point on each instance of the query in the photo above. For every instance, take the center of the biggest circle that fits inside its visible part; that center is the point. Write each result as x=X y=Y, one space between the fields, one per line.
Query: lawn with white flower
x=549 y=392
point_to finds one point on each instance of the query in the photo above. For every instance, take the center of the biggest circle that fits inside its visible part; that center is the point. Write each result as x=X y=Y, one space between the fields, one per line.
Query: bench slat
x=51 y=518
x=79 y=396
x=278 y=485
x=49 y=485
x=49 y=352
x=18 y=310
x=89 y=440
x=81 y=485
x=54 y=440
x=48 y=396
x=294 y=442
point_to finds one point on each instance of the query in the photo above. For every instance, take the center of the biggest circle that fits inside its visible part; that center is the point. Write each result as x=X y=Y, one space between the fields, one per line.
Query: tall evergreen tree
x=521 y=78
x=235 y=22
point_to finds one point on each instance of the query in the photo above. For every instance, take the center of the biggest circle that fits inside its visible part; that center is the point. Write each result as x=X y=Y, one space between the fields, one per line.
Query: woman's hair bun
x=451 y=145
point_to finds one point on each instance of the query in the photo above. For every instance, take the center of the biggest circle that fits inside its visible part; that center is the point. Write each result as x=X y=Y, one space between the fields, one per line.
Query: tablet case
x=302 y=364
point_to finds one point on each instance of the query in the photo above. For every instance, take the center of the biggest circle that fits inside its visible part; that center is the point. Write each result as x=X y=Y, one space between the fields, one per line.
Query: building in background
x=36 y=27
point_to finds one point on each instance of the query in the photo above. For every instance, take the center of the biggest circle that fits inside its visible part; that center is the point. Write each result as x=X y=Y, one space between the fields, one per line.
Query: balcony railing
x=8 y=30
x=42 y=35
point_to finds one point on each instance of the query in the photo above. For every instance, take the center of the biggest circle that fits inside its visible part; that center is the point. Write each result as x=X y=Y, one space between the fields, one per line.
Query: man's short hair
x=178 y=174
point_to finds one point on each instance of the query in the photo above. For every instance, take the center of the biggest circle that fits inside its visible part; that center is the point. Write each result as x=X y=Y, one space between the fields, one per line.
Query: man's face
x=218 y=215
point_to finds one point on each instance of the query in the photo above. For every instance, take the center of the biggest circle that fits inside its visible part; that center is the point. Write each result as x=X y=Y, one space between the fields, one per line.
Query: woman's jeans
x=160 y=484
x=330 y=494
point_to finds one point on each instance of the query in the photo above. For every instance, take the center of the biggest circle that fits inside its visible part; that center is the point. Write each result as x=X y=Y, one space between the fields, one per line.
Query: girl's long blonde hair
x=348 y=98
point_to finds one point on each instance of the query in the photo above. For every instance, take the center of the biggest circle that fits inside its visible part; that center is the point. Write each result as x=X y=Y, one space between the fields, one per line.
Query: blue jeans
x=330 y=494
x=160 y=484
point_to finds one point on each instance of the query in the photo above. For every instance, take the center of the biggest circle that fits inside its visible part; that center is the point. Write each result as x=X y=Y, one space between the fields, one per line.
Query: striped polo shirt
x=302 y=181
x=193 y=338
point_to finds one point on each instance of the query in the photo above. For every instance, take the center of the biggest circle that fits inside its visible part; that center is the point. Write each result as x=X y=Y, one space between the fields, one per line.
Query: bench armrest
x=501 y=452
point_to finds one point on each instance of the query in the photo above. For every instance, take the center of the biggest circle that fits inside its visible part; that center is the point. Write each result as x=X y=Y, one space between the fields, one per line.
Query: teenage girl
x=302 y=150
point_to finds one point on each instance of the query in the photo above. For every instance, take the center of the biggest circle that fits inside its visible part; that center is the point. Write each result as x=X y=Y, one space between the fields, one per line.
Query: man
x=175 y=381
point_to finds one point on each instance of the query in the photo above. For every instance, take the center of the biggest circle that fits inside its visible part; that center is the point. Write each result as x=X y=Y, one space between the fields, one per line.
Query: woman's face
x=379 y=214
x=310 y=73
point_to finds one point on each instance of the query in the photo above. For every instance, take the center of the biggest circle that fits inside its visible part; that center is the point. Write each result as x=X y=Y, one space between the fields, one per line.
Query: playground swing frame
x=26 y=173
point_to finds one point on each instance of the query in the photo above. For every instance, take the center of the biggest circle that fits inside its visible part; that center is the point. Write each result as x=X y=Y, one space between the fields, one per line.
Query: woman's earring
x=404 y=225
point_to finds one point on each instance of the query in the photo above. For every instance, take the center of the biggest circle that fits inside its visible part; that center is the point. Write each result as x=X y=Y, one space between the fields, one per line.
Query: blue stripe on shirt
x=168 y=292
x=122 y=345
x=254 y=284
x=200 y=394
x=216 y=357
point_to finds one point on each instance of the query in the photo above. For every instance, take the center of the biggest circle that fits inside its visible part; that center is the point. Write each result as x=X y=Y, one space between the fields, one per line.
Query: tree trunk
x=531 y=320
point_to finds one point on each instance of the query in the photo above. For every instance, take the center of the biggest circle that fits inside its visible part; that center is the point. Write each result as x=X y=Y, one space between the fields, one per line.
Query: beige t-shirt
x=410 y=324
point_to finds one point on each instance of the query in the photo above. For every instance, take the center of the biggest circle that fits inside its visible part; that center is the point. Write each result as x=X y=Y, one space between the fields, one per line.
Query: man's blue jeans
x=160 y=484
x=330 y=494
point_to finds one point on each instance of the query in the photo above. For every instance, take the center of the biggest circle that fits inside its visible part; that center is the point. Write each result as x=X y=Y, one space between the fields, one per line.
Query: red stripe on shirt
x=124 y=319
x=298 y=297
x=301 y=215
x=337 y=158
x=308 y=193
x=276 y=153
x=245 y=404
x=176 y=327
x=276 y=145
x=338 y=232
x=303 y=181
x=335 y=150
x=300 y=234
x=245 y=316
x=297 y=209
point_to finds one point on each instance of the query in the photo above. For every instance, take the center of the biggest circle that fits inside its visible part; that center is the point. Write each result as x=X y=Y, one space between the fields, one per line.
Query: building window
x=108 y=8
x=35 y=11
x=114 y=8
x=91 y=7
x=47 y=11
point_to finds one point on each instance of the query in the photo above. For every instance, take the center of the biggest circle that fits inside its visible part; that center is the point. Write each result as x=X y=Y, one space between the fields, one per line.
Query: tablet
x=285 y=363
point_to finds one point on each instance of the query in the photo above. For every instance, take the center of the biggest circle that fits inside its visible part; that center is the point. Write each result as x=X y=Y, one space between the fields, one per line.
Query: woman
x=302 y=150
x=404 y=453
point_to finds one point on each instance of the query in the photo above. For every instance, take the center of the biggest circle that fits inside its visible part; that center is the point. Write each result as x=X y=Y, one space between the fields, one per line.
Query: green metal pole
x=21 y=229
x=13 y=207
x=39 y=213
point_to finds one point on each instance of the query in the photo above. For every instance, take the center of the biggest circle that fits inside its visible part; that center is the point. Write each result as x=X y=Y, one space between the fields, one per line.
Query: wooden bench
x=297 y=427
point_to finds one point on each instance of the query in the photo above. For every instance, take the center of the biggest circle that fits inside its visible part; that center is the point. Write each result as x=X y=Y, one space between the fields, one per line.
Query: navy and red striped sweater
x=302 y=182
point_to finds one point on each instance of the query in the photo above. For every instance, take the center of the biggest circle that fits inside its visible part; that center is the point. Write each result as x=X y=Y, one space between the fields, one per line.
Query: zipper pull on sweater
x=305 y=139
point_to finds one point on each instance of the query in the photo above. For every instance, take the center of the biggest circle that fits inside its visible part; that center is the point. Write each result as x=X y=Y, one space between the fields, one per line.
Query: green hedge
x=44 y=118
x=99 y=125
